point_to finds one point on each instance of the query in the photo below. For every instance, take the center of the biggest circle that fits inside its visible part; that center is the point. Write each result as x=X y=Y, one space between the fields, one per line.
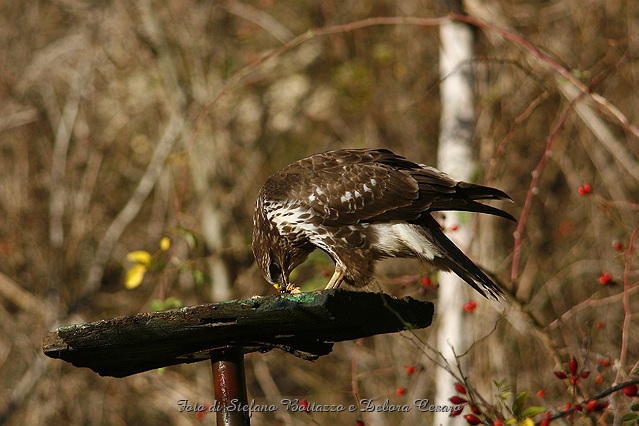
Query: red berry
x=460 y=388
x=630 y=390
x=457 y=400
x=591 y=405
x=598 y=379
x=573 y=365
x=605 y=278
x=560 y=375
x=541 y=393
x=544 y=422
x=475 y=409
x=567 y=406
x=584 y=189
x=618 y=246
x=304 y=403
x=605 y=362
x=601 y=325
x=498 y=422
x=470 y=306
x=578 y=407
x=456 y=411
x=400 y=391
x=454 y=228
x=410 y=369
x=426 y=281
x=360 y=423
x=584 y=374
x=472 y=419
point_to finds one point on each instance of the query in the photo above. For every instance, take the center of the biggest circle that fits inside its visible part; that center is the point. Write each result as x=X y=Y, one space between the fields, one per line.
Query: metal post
x=229 y=383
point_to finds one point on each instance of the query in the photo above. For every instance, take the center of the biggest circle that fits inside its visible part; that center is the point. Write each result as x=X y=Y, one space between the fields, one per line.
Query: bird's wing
x=351 y=186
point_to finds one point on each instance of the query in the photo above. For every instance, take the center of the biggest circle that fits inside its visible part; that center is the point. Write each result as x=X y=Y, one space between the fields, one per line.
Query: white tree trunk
x=455 y=157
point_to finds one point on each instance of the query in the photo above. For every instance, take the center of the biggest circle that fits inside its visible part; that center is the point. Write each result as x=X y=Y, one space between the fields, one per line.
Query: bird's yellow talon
x=293 y=289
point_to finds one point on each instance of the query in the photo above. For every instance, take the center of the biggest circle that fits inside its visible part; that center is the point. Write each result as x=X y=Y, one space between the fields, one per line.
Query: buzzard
x=359 y=206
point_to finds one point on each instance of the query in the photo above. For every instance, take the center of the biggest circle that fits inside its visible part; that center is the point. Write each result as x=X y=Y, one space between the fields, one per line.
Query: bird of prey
x=360 y=206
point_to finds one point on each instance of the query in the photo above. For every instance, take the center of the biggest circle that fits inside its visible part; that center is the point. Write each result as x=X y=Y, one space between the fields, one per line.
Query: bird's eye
x=275 y=272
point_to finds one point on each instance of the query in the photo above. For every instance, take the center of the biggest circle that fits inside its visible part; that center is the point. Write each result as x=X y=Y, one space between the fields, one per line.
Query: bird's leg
x=336 y=279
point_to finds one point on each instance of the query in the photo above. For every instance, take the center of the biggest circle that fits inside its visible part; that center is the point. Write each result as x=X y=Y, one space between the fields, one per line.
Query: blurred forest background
x=126 y=122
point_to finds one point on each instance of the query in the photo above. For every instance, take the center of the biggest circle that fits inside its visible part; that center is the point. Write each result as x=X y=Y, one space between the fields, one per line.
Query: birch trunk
x=455 y=157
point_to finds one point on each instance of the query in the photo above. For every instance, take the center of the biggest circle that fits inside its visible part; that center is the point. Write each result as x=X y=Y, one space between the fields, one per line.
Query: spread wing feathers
x=352 y=186
x=454 y=259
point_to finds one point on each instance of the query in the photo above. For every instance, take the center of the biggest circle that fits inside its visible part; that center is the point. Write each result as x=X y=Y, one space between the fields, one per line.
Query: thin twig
x=132 y=207
x=553 y=64
x=273 y=395
x=605 y=393
x=590 y=302
x=532 y=107
x=532 y=191
x=309 y=35
x=59 y=158
x=625 y=329
x=261 y=18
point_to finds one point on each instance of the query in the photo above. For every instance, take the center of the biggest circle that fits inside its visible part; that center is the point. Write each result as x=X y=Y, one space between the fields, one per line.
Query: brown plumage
x=359 y=206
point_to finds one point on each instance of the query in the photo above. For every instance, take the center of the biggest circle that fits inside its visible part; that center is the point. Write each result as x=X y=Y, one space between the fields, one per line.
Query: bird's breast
x=291 y=220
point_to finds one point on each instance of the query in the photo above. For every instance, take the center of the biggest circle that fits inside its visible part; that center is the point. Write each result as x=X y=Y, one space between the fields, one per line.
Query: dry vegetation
x=124 y=122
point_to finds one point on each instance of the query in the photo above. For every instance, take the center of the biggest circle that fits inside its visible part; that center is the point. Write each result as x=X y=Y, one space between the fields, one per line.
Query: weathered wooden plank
x=304 y=324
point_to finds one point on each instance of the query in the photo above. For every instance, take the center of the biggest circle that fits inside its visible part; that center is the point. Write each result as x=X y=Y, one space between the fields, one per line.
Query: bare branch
x=171 y=134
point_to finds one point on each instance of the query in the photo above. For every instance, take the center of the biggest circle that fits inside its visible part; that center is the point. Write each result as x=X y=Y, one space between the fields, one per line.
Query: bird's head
x=271 y=258
x=277 y=257
x=273 y=271
x=274 y=264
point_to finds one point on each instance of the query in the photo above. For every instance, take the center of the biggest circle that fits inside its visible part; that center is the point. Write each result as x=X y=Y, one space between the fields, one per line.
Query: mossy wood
x=304 y=324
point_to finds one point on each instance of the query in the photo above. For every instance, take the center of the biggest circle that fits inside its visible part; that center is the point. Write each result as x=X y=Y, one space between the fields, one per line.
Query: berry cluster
x=573 y=374
x=584 y=189
x=460 y=402
x=518 y=413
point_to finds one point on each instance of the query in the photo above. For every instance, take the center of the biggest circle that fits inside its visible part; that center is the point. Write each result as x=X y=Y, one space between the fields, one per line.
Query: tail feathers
x=464 y=199
x=480 y=192
x=483 y=208
x=455 y=260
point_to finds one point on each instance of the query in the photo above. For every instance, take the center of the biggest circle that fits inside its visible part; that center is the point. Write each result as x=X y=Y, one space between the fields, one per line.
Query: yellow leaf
x=526 y=422
x=140 y=256
x=134 y=276
x=165 y=243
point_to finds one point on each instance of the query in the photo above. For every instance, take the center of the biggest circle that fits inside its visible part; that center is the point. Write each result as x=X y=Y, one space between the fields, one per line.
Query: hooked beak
x=282 y=285
x=287 y=288
x=280 y=280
